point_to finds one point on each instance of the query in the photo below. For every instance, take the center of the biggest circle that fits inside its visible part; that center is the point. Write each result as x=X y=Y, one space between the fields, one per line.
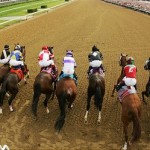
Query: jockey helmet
x=17 y=47
x=94 y=49
x=130 y=60
x=69 y=53
x=6 y=47
x=45 y=48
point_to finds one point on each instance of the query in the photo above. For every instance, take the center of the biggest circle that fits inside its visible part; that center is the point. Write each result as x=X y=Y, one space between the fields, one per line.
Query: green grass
x=8 y=24
x=15 y=10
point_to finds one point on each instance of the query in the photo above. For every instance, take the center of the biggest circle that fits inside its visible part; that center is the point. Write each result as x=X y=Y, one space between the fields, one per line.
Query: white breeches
x=13 y=62
x=129 y=81
x=46 y=63
x=95 y=63
x=4 y=61
x=68 y=70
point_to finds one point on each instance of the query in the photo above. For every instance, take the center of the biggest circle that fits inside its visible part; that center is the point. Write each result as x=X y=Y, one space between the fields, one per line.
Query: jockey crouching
x=69 y=65
x=16 y=60
x=5 y=56
x=46 y=61
x=129 y=75
x=95 y=59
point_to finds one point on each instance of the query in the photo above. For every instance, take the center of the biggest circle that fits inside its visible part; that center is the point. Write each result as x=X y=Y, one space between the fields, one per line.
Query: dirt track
x=78 y=26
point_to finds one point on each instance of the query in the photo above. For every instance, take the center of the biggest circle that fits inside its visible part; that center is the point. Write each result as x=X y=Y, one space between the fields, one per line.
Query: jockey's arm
x=2 y=56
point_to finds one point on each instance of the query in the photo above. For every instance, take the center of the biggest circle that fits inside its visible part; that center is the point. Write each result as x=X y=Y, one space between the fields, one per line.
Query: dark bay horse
x=43 y=84
x=4 y=69
x=96 y=88
x=10 y=84
x=131 y=112
x=66 y=92
x=122 y=63
x=147 y=90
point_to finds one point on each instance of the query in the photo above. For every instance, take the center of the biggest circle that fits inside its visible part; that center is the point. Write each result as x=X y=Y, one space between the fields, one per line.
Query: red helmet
x=45 y=48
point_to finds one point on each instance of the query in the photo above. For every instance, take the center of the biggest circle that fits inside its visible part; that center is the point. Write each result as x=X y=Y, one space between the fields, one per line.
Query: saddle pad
x=124 y=91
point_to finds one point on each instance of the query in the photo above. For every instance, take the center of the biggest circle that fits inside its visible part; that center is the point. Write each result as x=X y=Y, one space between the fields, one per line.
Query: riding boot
x=88 y=72
x=119 y=86
x=76 y=78
x=23 y=70
x=103 y=68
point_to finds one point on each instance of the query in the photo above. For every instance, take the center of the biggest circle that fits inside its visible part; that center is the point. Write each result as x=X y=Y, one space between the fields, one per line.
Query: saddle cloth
x=50 y=71
x=18 y=72
x=124 y=91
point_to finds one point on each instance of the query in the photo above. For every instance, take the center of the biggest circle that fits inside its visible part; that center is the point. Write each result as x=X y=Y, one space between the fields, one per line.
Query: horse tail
x=136 y=127
x=36 y=96
x=62 y=105
x=98 y=95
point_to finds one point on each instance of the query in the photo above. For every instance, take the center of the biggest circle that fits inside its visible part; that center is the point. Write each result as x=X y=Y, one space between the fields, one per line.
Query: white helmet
x=17 y=47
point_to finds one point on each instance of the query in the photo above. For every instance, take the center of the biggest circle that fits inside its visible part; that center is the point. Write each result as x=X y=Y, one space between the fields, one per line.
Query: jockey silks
x=69 y=65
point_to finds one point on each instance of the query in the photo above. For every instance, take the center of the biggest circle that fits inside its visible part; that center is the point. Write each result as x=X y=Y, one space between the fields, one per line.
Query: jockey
x=69 y=65
x=45 y=58
x=95 y=58
x=5 y=56
x=129 y=74
x=16 y=59
x=147 y=64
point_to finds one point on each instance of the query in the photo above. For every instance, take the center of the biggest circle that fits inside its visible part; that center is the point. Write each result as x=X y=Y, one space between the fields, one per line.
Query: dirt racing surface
x=77 y=26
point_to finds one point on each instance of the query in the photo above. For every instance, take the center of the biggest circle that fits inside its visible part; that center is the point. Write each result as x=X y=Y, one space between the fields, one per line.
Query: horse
x=131 y=112
x=4 y=69
x=10 y=84
x=96 y=88
x=122 y=63
x=147 y=91
x=43 y=84
x=66 y=92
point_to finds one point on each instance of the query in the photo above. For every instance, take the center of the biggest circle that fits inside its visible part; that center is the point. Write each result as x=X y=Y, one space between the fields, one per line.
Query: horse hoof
x=11 y=109
x=112 y=95
x=98 y=122
x=28 y=76
x=85 y=122
x=47 y=110
x=1 y=111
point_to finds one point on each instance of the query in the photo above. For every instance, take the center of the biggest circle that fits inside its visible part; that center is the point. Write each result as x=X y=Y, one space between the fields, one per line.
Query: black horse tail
x=98 y=96
x=62 y=105
x=136 y=127
x=36 y=96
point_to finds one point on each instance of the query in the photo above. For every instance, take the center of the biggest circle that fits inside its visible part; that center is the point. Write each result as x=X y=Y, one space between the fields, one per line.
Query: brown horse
x=66 y=92
x=122 y=63
x=96 y=88
x=4 y=69
x=43 y=84
x=10 y=84
x=131 y=112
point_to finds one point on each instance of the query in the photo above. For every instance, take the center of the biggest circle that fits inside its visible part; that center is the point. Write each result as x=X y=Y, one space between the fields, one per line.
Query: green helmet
x=130 y=60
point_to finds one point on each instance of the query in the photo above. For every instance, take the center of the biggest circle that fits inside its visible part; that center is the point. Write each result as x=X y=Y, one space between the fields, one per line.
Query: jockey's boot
x=119 y=86
x=23 y=70
x=103 y=68
x=135 y=86
x=76 y=78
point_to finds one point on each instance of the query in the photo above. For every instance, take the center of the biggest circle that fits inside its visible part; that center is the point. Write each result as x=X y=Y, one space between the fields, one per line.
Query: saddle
x=50 y=71
x=18 y=72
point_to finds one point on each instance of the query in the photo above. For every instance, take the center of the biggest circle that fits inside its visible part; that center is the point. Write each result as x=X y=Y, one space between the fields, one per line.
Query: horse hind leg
x=87 y=109
x=125 y=129
x=144 y=93
x=12 y=97
x=46 y=101
x=2 y=95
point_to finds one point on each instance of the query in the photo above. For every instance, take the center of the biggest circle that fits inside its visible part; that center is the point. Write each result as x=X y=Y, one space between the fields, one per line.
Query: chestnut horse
x=131 y=112
x=43 y=84
x=66 y=92
x=96 y=88
x=10 y=84
x=122 y=63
